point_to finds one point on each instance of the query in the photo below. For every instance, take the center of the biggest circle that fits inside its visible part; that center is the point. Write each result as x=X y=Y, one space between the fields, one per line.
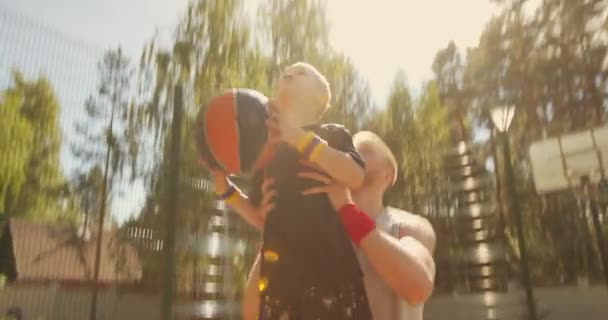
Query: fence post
x=172 y=203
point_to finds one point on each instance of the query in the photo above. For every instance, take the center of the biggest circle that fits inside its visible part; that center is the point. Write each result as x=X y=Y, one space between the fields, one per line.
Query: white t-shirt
x=384 y=303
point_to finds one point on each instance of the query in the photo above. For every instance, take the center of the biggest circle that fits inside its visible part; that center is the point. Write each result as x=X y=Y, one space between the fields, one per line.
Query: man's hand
x=338 y=194
x=281 y=128
x=268 y=194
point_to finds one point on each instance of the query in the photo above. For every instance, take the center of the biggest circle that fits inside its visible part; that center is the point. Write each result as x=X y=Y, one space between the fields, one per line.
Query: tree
x=110 y=128
x=15 y=145
x=211 y=52
x=351 y=103
x=449 y=76
x=109 y=139
x=431 y=121
x=295 y=30
x=299 y=31
x=396 y=125
x=32 y=184
x=550 y=65
x=88 y=189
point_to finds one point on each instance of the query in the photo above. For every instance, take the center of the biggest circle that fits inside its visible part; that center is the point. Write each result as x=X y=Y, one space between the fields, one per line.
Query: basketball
x=231 y=132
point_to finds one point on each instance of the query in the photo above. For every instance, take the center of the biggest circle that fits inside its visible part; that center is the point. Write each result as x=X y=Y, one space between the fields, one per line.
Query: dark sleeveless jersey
x=310 y=270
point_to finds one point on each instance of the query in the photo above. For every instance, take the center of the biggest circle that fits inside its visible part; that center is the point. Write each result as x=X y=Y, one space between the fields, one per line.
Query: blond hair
x=371 y=139
x=318 y=86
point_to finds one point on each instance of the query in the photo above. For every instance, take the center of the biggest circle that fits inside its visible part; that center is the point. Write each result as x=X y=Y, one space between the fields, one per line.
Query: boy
x=396 y=257
x=308 y=266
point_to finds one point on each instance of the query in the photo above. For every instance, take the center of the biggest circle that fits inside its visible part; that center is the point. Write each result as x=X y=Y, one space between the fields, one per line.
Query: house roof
x=45 y=252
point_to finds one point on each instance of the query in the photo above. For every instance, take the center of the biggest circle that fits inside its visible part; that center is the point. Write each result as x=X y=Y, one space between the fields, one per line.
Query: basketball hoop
x=575 y=162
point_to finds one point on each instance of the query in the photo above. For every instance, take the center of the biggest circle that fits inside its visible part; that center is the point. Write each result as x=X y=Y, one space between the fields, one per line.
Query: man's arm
x=406 y=264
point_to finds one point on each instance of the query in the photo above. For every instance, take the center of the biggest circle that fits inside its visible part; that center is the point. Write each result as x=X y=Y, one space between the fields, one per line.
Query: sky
x=380 y=36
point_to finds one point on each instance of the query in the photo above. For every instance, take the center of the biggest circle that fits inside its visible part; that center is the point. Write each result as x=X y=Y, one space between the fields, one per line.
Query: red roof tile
x=44 y=252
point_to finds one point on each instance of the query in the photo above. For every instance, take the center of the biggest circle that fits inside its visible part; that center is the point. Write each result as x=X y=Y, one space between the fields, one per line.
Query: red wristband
x=356 y=222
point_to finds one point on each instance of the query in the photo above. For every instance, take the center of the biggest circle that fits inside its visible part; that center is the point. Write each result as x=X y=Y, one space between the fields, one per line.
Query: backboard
x=559 y=163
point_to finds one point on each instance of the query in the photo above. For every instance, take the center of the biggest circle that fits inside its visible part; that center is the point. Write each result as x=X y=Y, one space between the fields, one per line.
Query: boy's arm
x=240 y=203
x=343 y=164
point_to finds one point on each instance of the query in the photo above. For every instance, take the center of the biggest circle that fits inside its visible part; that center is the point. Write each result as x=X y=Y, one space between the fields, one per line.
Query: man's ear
x=388 y=177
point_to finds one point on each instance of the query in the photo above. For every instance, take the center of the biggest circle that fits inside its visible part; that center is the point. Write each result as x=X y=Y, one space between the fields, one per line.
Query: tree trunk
x=102 y=213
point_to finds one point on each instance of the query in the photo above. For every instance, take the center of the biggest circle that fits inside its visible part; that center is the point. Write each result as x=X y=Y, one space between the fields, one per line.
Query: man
x=396 y=256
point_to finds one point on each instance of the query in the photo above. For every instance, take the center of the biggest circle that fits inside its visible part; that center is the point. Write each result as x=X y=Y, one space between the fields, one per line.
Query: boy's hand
x=281 y=128
x=338 y=194
x=220 y=178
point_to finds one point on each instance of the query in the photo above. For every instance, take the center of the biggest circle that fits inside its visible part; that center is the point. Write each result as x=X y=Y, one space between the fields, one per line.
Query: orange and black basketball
x=231 y=131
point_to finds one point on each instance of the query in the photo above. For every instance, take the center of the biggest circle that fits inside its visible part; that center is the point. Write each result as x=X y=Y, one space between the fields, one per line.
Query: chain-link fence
x=104 y=213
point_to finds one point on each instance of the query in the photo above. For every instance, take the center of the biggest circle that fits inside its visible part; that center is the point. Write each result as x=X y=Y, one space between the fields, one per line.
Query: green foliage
x=212 y=51
x=214 y=48
x=550 y=64
x=351 y=97
x=295 y=31
x=109 y=138
x=15 y=144
x=415 y=131
x=111 y=125
x=88 y=189
x=396 y=125
x=31 y=182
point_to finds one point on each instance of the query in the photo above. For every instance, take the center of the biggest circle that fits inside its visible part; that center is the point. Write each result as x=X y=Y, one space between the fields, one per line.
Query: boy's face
x=298 y=86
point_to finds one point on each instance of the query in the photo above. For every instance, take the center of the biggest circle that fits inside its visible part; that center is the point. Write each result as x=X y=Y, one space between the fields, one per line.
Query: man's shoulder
x=336 y=135
x=397 y=215
x=404 y=223
x=334 y=130
x=332 y=127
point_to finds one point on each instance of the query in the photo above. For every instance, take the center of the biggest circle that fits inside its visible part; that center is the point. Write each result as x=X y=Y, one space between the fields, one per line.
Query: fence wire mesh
x=105 y=212
x=86 y=194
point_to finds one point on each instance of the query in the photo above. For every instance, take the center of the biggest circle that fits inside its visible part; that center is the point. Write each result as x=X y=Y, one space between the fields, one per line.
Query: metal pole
x=499 y=198
x=172 y=204
x=102 y=216
x=599 y=235
x=516 y=213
